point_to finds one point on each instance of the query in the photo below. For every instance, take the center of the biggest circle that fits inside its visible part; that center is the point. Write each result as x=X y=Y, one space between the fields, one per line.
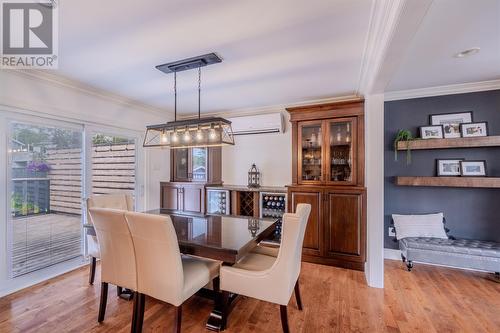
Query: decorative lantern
x=253 y=177
x=253 y=226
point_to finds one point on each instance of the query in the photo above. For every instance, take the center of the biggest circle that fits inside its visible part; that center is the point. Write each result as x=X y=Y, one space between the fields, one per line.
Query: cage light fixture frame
x=190 y=133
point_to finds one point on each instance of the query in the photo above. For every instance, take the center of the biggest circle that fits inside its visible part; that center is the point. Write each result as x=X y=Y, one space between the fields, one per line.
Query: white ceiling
x=451 y=26
x=275 y=52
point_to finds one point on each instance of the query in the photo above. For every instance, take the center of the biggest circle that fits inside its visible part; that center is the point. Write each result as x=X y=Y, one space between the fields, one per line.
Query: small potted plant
x=403 y=136
x=38 y=168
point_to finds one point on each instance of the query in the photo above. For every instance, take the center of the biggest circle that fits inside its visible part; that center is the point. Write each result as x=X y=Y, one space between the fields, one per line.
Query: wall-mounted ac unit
x=259 y=124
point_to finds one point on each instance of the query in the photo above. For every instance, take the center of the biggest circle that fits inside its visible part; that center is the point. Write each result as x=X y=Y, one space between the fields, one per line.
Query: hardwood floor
x=428 y=299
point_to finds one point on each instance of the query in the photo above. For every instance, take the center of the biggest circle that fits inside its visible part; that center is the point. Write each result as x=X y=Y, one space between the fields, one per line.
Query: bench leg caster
x=409 y=265
x=494 y=277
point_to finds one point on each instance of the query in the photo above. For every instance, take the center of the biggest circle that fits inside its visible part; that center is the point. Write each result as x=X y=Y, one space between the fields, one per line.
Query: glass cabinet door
x=181 y=165
x=341 y=150
x=199 y=159
x=310 y=152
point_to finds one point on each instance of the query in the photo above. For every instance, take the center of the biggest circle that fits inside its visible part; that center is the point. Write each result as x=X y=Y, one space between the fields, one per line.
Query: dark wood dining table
x=226 y=238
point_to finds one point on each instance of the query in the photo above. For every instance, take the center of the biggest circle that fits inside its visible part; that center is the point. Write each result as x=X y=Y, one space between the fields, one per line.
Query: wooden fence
x=113 y=170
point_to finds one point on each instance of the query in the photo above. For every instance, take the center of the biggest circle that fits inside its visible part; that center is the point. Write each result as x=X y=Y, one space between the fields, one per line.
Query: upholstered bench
x=462 y=253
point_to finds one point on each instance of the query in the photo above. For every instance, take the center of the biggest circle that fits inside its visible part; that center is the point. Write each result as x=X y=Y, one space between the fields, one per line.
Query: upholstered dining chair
x=268 y=278
x=162 y=272
x=117 y=253
x=115 y=201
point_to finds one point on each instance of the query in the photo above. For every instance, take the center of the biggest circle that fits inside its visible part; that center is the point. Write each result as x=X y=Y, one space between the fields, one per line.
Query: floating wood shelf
x=486 y=141
x=471 y=182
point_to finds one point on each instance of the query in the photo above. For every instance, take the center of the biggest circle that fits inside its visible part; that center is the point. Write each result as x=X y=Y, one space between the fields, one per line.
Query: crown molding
x=451 y=89
x=62 y=81
x=384 y=17
x=393 y=25
x=272 y=108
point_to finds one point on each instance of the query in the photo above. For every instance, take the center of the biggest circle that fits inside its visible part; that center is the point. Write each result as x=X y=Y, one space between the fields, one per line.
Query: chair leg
x=104 y=300
x=119 y=291
x=140 y=312
x=178 y=319
x=225 y=308
x=297 y=295
x=284 y=319
x=133 y=326
x=92 y=270
x=139 y=318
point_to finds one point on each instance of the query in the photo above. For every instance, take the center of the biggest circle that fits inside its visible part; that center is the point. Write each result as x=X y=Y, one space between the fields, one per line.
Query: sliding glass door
x=46 y=182
x=52 y=167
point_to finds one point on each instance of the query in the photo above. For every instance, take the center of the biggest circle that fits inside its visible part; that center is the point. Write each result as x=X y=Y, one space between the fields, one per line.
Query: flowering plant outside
x=35 y=166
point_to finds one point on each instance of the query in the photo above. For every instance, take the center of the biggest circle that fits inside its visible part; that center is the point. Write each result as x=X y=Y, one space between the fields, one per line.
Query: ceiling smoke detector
x=468 y=52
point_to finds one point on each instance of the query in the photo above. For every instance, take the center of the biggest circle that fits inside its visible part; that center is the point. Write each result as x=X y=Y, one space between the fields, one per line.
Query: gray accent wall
x=469 y=213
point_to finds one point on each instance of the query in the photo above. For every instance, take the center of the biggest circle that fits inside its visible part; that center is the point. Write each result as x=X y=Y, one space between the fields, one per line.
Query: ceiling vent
x=259 y=124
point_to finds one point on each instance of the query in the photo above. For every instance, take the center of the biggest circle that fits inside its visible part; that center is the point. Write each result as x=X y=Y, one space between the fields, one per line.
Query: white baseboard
x=392 y=254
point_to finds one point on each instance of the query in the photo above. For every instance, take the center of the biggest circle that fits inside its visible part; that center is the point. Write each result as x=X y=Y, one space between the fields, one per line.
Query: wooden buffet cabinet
x=191 y=170
x=328 y=173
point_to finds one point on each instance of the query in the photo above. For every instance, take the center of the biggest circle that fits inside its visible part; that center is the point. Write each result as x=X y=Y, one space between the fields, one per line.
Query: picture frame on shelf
x=473 y=168
x=473 y=130
x=432 y=132
x=449 y=167
x=451 y=122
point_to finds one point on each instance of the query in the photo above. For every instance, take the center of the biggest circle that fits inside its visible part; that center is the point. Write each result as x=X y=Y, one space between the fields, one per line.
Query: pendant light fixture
x=200 y=132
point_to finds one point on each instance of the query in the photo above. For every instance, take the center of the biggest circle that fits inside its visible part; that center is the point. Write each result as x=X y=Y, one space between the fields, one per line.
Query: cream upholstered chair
x=115 y=201
x=162 y=272
x=268 y=278
x=117 y=253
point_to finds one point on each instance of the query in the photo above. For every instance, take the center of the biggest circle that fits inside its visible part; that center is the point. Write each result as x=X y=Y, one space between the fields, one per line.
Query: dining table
x=226 y=238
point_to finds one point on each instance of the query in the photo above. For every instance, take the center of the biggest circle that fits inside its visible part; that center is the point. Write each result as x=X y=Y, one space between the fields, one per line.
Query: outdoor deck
x=43 y=240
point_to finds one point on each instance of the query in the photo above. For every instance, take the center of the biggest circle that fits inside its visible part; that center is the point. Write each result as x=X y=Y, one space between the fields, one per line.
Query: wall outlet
x=391 y=232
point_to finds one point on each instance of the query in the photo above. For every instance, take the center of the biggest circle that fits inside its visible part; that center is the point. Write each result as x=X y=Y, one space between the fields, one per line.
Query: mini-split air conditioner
x=259 y=124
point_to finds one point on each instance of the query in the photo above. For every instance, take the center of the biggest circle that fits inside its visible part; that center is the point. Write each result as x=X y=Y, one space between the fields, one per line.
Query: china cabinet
x=328 y=173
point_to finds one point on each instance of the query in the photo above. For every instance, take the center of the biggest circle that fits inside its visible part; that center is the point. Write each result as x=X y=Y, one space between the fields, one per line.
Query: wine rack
x=218 y=202
x=246 y=203
x=273 y=205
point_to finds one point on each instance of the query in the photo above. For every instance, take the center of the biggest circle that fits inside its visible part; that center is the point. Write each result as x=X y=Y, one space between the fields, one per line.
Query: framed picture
x=451 y=122
x=432 y=132
x=470 y=130
x=473 y=168
x=449 y=167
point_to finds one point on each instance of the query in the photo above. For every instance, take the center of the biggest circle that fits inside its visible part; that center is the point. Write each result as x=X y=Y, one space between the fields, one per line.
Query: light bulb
x=339 y=137
x=348 y=139
x=164 y=137
x=187 y=137
x=199 y=135
x=175 y=138
x=213 y=134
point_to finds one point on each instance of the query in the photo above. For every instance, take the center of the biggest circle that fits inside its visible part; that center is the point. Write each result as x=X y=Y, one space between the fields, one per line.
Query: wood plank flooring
x=428 y=299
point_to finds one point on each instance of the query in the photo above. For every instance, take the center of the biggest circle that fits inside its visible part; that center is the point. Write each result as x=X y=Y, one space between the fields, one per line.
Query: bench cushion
x=466 y=246
x=463 y=253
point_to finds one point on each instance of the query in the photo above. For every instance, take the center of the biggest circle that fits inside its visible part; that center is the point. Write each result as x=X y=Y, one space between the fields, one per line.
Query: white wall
x=272 y=153
x=23 y=95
